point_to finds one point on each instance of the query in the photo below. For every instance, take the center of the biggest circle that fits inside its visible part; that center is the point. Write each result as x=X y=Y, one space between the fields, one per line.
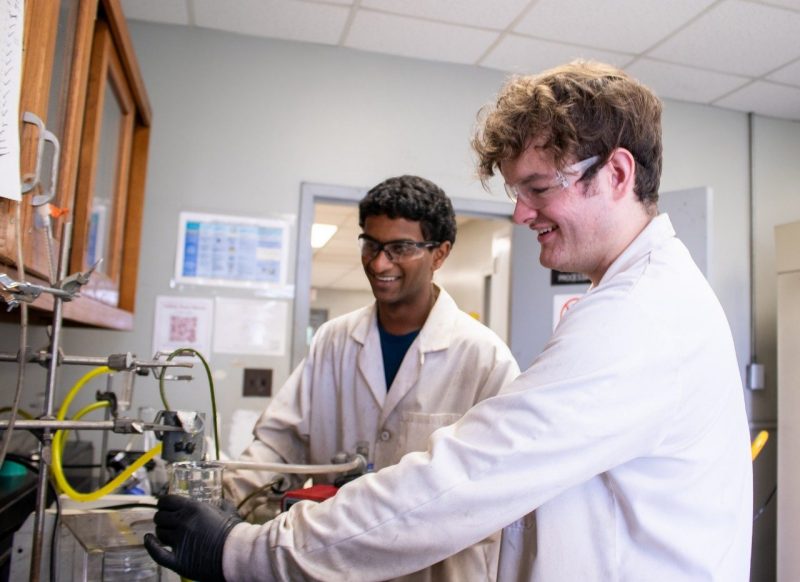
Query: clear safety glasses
x=534 y=195
x=396 y=250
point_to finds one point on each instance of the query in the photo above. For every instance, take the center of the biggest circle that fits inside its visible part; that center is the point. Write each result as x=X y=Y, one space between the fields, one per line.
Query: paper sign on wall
x=183 y=322
x=250 y=326
x=11 y=25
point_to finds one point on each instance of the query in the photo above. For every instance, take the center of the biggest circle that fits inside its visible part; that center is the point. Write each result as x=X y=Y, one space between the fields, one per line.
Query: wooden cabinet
x=80 y=77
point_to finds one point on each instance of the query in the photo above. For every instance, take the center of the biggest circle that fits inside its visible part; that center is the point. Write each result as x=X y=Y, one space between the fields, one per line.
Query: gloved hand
x=196 y=532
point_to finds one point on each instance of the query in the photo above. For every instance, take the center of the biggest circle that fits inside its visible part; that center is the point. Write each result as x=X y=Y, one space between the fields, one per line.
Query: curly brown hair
x=580 y=109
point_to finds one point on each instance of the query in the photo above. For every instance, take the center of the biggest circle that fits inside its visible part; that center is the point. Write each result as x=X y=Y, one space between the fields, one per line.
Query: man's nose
x=381 y=261
x=523 y=213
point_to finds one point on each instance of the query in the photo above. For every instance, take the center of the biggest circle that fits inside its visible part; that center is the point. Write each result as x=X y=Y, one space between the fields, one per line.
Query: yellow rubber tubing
x=62 y=434
x=758 y=444
x=59 y=442
x=62 y=412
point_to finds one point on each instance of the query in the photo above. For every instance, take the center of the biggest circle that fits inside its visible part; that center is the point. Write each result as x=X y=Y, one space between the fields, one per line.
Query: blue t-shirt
x=394 y=348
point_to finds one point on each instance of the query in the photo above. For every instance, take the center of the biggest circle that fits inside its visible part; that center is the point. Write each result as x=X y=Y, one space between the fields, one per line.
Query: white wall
x=340 y=301
x=239 y=122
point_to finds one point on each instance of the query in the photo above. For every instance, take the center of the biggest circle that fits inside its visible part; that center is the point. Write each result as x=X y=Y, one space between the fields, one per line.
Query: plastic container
x=106 y=546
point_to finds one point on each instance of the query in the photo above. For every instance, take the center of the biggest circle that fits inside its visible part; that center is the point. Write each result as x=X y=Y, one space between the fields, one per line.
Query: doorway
x=477 y=272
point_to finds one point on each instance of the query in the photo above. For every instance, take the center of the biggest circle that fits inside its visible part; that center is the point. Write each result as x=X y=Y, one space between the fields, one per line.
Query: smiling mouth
x=544 y=231
x=385 y=279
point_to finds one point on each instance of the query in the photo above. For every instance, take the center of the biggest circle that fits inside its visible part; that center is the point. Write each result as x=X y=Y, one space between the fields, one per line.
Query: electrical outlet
x=257 y=382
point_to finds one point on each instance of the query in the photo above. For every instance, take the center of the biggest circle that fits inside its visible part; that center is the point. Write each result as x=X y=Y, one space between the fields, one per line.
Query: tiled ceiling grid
x=737 y=54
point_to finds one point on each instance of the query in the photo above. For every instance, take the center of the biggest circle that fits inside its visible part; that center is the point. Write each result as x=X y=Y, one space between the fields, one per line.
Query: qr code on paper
x=182 y=329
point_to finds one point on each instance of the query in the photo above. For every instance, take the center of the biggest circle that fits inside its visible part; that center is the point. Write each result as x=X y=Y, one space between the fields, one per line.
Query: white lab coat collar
x=657 y=231
x=436 y=334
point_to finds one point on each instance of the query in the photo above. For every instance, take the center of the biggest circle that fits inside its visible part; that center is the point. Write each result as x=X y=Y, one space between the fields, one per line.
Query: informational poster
x=562 y=303
x=11 y=25
x=233 y=251
x=250 y=326
x=183 y=322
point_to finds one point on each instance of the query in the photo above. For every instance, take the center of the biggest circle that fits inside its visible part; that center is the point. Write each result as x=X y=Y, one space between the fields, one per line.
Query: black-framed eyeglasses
x=396 y=250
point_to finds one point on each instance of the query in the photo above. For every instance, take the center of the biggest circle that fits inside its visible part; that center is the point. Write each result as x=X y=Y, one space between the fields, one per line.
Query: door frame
x=310 y=194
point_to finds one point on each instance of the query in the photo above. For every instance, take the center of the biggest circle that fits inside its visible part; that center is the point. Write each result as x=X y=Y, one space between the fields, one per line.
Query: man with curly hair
x=622 y=453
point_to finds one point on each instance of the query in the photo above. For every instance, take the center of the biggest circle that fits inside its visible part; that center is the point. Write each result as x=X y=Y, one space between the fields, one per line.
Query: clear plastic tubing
x=356 y=463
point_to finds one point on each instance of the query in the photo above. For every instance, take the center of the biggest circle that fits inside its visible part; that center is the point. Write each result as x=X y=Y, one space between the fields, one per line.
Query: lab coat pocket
x=419 y=426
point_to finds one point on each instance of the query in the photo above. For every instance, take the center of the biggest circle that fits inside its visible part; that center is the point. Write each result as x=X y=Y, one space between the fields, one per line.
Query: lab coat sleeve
x=504 y=371
x=601 y=393
x=279 y=436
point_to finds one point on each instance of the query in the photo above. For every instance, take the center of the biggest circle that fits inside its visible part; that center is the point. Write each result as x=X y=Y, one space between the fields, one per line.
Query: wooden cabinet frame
x=39 y=40
x=105 y=73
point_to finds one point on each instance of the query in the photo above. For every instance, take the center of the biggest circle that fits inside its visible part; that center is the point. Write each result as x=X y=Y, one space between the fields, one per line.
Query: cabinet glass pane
x=102 y=214
x=60 y=82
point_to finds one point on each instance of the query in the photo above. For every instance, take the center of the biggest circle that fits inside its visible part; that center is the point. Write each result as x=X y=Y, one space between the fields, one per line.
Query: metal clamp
x=72 y=284
x=14 y=292
x=186 y=441
x=42 y=199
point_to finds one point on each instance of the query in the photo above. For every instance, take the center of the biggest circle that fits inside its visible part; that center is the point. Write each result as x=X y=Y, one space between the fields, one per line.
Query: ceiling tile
x=286 y=19
x=765 y=99
x=621 y=25
x=166 y=11
x=790 y=74
x=527 y=56
x=791 y=4
x=736 y=37
x=497 y=14
x=684 y=83
x=409 y=37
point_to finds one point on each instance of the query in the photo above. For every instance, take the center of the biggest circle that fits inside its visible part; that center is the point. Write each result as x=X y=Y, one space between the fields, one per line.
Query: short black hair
x=412 y=198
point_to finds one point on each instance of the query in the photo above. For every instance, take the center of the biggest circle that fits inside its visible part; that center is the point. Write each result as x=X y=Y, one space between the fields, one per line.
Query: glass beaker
x=200 y=480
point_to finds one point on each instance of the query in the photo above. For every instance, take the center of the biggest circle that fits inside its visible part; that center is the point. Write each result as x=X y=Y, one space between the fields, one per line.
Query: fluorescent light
x=321 y=234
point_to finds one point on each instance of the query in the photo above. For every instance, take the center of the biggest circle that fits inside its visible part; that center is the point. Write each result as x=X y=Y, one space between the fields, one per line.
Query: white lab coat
x=628 y=435
x=337 y=397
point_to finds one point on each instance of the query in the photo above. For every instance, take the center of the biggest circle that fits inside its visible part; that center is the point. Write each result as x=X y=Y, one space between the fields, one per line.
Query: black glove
x=196 y=532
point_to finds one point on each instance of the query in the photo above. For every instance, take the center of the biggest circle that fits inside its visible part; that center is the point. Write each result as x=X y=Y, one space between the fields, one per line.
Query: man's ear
x=622 y=167
x=440 y=253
